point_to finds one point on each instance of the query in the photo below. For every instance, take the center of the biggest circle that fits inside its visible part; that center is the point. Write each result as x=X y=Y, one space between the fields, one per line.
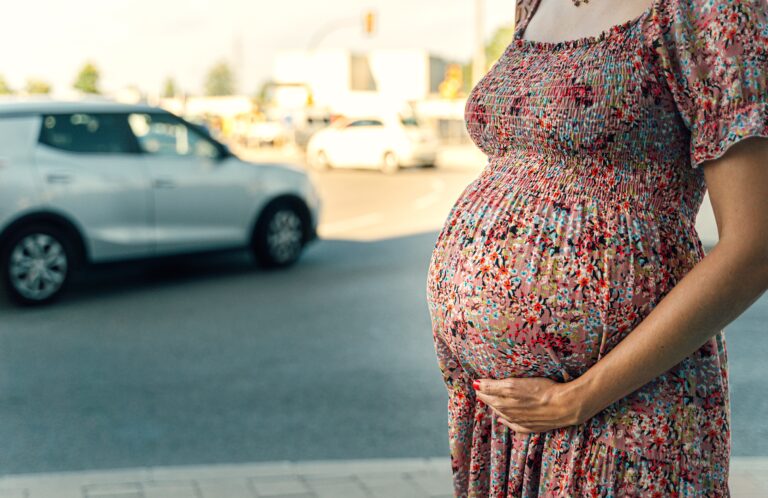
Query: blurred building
x=379 y=81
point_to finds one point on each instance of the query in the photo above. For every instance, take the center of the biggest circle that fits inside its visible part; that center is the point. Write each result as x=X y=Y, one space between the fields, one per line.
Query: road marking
x=342 y=226
x=432 y=197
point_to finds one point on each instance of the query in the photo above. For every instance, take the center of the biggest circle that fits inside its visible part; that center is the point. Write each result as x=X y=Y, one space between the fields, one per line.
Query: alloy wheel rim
x=284 y=235
x=38 y=266
x=321 y=161
x=390 y=162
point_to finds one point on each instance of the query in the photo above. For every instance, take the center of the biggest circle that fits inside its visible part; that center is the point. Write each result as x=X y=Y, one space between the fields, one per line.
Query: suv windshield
x=166 y=135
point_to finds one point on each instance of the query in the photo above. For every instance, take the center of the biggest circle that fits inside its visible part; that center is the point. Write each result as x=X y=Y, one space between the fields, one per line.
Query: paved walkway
x=391 y=478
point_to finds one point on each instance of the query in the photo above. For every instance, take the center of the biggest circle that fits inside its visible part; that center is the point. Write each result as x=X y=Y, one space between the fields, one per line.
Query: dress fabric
x=582 y=220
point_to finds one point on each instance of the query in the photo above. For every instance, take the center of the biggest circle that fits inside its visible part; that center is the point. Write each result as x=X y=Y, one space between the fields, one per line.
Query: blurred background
x=210 y=359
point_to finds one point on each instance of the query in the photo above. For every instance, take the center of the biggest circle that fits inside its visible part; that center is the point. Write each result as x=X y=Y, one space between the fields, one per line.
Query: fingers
x=495 y=387
x=497 y=404
x=510 y=406
x=509 y=423
x=497 y=412
x=517 y=428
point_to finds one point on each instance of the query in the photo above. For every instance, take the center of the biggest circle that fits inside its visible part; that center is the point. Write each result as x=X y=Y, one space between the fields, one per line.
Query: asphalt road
x=207 y=360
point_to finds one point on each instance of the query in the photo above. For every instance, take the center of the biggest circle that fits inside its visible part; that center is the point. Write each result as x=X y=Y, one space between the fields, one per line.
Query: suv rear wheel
x=37 y=262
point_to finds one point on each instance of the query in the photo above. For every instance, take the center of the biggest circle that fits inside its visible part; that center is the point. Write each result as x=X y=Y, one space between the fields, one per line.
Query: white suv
x=86 y=182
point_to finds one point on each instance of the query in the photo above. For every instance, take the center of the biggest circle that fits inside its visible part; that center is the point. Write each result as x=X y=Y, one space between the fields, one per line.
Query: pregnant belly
x=522 y=286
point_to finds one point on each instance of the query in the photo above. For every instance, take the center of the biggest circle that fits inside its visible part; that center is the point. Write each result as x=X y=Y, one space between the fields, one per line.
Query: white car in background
x=385 y=143
x=251 y=132
x=89 y=182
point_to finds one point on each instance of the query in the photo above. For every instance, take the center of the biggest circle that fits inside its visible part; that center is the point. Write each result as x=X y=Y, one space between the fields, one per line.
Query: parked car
x=312 y=125
x=386 y=143
x=253 y=131
x=89 y=182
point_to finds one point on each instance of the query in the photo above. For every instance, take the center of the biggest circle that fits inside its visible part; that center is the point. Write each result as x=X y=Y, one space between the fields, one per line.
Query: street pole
x=478 y=63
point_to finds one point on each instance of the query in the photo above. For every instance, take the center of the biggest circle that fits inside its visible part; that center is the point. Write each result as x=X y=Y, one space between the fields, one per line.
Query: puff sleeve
x=714 y=58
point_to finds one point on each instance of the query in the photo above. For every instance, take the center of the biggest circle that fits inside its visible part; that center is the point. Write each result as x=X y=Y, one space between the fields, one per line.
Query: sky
x=142 y=42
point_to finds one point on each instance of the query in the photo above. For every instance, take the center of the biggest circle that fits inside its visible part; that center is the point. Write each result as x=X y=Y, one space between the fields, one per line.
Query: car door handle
x=58 y=178
x=163 y=183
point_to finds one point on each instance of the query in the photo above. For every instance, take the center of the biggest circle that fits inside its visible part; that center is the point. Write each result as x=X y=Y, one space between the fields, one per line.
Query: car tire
x=320 y=161
x=44 y=250
x=389 y=163
x=280 y=234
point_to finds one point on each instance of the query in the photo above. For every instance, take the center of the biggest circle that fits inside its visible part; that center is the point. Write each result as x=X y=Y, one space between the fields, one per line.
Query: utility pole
x=478 y=62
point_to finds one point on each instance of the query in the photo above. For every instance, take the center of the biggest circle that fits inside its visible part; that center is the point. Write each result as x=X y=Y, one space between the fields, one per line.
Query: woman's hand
x=534 y=404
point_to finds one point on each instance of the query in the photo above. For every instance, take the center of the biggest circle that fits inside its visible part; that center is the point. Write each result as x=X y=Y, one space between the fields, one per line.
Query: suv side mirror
x=224 y=152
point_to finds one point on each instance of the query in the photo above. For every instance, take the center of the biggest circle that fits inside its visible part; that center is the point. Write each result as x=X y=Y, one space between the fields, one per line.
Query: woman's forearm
x=712 y=294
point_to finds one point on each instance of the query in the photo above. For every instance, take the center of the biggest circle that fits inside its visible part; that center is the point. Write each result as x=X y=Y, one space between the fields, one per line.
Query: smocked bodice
x=591 y=119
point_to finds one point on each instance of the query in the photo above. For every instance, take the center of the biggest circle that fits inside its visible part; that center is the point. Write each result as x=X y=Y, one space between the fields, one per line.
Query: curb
x=385 y=477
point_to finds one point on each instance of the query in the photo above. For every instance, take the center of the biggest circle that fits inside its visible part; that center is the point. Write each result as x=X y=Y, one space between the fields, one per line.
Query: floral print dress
x=582 y=220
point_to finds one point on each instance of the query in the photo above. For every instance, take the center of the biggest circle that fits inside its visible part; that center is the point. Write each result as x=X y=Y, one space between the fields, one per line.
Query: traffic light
x=370 y=22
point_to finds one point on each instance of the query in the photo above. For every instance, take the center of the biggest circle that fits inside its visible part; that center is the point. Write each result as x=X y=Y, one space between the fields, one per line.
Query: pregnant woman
x=577 y=323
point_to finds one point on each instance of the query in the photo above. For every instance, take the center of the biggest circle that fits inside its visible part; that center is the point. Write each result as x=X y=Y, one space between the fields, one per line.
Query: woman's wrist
x=583 y=398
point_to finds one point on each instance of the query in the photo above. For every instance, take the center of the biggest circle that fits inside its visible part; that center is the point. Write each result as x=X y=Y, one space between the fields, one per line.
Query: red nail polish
x=476 y=384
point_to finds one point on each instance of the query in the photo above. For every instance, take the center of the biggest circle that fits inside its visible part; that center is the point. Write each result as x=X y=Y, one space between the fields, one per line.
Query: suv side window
x=165 y=135
x=94 y=133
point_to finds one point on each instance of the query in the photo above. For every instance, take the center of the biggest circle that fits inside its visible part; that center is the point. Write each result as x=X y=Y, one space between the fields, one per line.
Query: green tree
x=5 y=89
x=39 y=87
x=500 y=40
x=87 y=80
x=220 y=80
x=169 y=88
x=467 y=72
x=262 y=95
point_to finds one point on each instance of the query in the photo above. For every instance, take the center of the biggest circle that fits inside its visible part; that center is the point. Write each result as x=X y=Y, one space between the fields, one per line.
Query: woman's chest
x=604 y=98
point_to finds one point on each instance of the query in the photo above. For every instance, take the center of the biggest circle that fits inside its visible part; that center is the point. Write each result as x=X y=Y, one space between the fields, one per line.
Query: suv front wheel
x=36 y=262
x=279 y=236
x=389 y=163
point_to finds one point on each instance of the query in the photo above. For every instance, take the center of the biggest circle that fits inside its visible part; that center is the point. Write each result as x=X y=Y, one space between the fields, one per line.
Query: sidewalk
x=391 y=478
